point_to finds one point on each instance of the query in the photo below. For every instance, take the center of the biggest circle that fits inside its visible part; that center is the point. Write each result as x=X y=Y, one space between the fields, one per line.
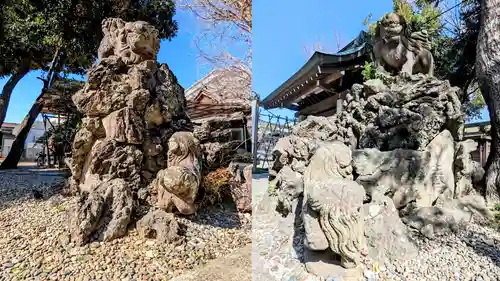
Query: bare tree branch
x=226 y=27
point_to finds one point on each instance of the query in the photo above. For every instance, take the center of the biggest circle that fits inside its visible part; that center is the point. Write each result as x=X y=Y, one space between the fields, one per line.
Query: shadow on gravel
x=482 y=248
x=224 y=215
x=298 y=231
x=29 y=184
x=259 y=176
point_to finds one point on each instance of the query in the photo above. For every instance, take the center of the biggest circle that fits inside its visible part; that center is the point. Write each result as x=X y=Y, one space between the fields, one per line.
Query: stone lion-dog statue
x=177 y=186
x=394 y=49
x=134 y=42
x=332 y=204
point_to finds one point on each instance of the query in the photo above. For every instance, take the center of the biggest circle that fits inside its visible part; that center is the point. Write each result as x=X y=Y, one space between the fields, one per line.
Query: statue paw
x=405 y=74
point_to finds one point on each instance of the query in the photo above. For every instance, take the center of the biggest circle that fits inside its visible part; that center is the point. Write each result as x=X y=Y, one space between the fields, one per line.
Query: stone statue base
x=327 y=264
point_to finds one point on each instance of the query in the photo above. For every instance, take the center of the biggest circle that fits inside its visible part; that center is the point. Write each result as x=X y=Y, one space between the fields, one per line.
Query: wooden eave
x=319 y=71
x=199 y=110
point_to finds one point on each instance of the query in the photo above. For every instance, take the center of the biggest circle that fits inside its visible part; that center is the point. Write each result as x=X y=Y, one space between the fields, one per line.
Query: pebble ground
x=34 y=241
x=473 y=254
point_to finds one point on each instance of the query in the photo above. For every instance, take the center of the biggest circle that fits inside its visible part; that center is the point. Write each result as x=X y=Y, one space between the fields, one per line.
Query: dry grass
x=215 y=183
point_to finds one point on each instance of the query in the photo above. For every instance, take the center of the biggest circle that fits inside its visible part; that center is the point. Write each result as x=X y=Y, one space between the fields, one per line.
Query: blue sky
x=283 y=29
x=180 y=54
x=284 y=33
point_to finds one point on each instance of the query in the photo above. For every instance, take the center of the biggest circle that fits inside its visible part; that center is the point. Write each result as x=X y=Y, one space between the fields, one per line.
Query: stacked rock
x=393 y=155
x=135 y=146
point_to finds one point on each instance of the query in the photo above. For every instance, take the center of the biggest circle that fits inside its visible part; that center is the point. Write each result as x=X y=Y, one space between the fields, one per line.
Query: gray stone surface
x=276 y=247
x=134 y=111
x=408 y=176
x=386 y=237
x=449 y=216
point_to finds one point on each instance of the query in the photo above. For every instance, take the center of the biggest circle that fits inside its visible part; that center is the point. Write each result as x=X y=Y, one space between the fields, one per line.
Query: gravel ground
x=273 y=254
x=233 y=267
x=473 y=254
x=34 y=242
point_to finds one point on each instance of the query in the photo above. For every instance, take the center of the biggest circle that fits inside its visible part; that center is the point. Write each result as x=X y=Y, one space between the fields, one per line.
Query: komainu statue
x=395 y=49
x=134 y=42
x=332 y=204
x=177 y=186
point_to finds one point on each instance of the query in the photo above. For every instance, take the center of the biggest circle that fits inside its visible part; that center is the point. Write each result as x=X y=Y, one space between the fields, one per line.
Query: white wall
x=36 y=131
x=7 y=144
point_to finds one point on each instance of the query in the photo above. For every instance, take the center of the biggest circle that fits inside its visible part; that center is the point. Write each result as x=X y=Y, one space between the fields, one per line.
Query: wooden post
x=255 y=130
x=481 y=152
x=46 y=139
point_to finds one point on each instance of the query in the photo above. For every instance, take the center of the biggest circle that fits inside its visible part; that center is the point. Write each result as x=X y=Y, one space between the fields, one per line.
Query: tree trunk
x=7 y=90
x=18 y=146
x=488 y=75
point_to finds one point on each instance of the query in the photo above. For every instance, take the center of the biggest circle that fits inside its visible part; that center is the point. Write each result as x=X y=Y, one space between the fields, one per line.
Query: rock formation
x=409 y=176
x=219 y=149
x=393 y=156
x=135 y=146
x=402 y=112
x=240 y=187
x=217 y=144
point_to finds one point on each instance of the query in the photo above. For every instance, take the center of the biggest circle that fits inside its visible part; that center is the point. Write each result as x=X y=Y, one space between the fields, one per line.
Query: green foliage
x=60 y=208
x=497 y=207
x=404 y=9
x=473 y=105
x=272 y=189
x=368 y=71
x=421 y=16
x=35 y=29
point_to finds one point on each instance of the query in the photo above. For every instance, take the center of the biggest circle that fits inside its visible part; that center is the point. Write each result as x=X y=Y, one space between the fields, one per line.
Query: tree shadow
x=20 y=185
x=223 y=215
x=260 y=176
x=298 y=230
x=480 y=247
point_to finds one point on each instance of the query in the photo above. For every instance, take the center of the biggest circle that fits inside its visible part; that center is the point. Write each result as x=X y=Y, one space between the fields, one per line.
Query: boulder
x=108 y=208
x=409 y=176
x=386 y=236
x=240 y=187
x=159 y=225
x=449 y=216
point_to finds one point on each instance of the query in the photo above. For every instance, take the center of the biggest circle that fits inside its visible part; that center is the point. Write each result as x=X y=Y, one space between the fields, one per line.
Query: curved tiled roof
x=353 y=51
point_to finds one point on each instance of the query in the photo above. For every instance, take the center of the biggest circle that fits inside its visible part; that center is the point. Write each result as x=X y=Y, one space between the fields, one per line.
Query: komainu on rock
x=177 y=186
x=395 y=50
x=132 y=107
x=133 y=42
